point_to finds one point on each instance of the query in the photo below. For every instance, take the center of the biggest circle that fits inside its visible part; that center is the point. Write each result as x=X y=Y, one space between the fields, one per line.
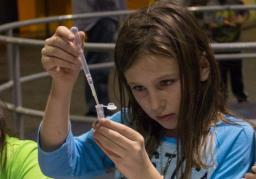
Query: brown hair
x=167 y=29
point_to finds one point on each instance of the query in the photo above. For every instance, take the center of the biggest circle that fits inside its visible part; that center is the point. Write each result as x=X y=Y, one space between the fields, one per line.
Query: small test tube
x=100 y=111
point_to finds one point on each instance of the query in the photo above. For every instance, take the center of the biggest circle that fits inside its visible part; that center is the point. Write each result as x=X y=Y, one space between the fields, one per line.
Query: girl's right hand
x=60 y=57
x=126 y=148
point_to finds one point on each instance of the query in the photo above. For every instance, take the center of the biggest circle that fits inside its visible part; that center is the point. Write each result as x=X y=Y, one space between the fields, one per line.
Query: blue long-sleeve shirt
x=230 y=154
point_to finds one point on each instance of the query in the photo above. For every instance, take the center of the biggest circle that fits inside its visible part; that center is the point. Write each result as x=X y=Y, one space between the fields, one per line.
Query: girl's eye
x=166 y=82
x=137 y=88
x=139 y=91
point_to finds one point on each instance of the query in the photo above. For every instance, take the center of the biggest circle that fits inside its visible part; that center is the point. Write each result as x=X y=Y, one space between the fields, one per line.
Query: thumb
x=83 y=38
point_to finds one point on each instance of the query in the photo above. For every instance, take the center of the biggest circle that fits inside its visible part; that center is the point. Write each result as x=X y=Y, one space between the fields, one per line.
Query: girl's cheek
x=139 y=94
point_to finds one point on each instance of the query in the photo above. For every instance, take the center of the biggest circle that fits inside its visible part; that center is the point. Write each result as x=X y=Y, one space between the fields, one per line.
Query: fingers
x=54 y=57
x=83 y=36
x=118 y=138
x=65 y=33
x=112 y=140
x=250 y=176
x=60 y=51
x=50 y=51
x=113 y=156
x=105 y=150
x=122 y=129
x=254 y=169
x=68 y=47
x=110 y=145
x=50 y=63
x=64 y=40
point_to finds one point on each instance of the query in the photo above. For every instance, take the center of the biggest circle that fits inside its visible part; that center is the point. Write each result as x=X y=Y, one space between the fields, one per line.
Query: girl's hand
x=60 y=57
x=251 y=175
x=125 y=147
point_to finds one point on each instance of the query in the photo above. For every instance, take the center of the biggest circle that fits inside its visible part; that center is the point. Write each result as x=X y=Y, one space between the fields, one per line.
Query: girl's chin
x=171 y=132
x=168 y=126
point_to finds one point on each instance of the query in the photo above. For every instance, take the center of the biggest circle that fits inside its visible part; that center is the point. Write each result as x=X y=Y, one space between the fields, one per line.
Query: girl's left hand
x=125 y=147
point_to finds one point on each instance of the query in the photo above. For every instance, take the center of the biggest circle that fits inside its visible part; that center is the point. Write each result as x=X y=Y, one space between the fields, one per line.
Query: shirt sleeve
x=77 y=156
x=235 y=151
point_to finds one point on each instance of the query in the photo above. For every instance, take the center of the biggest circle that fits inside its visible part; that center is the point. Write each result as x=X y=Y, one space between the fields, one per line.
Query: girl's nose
x=157 y=101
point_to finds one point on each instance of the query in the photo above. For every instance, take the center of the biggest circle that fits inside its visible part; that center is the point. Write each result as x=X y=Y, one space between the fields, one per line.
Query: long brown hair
x=167 y=29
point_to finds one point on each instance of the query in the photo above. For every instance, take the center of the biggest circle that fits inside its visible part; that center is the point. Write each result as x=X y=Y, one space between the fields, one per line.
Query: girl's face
x=155 y=84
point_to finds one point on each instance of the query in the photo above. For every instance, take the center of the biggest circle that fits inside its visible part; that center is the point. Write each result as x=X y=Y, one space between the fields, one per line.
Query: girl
x=172 y=124
x=18 y=158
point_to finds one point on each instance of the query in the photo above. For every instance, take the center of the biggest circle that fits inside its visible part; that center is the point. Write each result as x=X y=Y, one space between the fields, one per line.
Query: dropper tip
x=74 y=29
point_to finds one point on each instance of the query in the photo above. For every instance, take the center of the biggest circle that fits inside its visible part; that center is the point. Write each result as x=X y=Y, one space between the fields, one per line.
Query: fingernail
x=96 y=124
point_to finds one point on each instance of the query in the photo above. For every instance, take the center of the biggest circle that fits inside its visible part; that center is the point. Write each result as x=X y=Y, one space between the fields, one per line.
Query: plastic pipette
x=99 y=107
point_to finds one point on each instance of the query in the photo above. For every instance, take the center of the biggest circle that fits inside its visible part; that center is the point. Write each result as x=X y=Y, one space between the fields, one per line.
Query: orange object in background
x=135 y=4
x=59 y=7
x=31 y=9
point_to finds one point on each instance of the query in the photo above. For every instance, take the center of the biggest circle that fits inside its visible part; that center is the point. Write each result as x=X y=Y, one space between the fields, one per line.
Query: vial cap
x=111 y=106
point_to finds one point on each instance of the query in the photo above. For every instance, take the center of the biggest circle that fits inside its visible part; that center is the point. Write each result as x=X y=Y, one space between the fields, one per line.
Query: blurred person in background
x=223 y=27
x=98 y=30
x=18 y=158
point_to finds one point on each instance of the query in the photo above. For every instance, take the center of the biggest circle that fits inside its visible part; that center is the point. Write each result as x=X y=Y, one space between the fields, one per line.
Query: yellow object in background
x=152 y=1
x=252 y=14
x=249 y=1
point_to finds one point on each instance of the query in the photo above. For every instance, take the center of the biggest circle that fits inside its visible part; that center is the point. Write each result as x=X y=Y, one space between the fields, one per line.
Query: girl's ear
x=204 y=69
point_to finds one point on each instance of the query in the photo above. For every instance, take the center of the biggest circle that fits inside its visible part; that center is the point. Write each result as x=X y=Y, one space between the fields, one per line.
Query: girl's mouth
x=170 y=116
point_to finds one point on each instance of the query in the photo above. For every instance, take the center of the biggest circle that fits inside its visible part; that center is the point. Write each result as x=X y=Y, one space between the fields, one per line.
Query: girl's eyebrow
x=173 y=75
x=132 y=83
x=170 y=75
